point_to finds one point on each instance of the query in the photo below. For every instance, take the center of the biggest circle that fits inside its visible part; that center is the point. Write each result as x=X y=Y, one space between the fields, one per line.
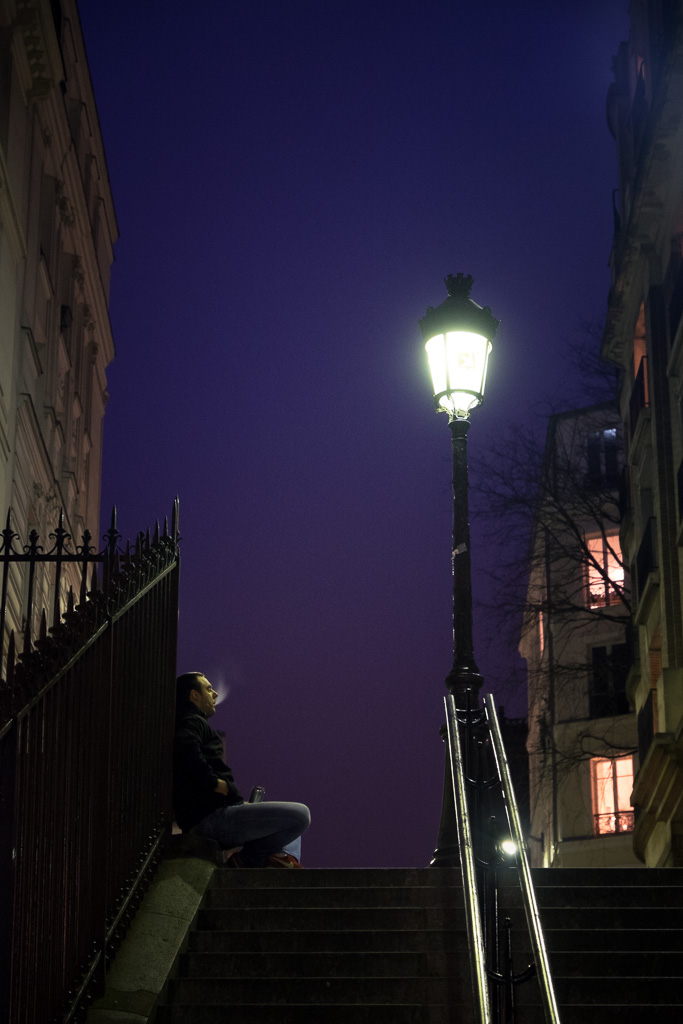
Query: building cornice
x=655 y=171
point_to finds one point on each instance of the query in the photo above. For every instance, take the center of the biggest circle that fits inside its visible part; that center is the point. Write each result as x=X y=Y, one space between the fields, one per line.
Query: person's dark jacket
x=197 y=766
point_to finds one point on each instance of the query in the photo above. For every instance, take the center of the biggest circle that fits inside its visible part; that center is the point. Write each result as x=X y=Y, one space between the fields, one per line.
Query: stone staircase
x=359 y=946
x=373 y=946
x=615 y=943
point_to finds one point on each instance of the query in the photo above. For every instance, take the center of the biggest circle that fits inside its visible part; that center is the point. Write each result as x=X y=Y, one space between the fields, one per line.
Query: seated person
x=205 y=798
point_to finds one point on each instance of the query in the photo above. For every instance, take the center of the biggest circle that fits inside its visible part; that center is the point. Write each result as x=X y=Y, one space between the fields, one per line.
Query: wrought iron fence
x=86 y=725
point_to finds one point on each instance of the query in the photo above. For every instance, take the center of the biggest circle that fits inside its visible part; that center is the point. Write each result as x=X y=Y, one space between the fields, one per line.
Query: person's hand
x=221 y=787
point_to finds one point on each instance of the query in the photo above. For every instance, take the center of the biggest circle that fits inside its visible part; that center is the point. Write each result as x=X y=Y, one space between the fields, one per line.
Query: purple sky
x=293 y=180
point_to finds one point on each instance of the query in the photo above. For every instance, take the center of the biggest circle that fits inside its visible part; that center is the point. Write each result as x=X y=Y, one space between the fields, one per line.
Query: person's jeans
x=260 y=829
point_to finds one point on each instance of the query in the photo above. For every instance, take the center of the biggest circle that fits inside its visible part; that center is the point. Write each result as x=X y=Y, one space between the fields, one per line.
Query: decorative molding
x=67 y=213
x=77 y=271
x=89 y=322
x=33 y=368
x=9 y=217
x=42 y=63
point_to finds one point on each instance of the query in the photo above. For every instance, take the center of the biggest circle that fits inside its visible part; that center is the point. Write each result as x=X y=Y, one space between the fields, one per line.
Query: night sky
x=293 y=180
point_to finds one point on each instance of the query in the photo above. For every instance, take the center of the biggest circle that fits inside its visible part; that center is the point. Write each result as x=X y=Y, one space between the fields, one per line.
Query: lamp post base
x=464 y=682
x=447 y=852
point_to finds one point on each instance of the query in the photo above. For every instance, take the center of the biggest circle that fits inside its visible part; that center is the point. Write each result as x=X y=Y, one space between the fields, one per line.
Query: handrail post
x=530 y=905
x=480 y=987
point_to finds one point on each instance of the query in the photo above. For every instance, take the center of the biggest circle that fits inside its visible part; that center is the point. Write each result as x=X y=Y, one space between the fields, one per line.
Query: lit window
x=612 y=783
x=605 y=570
x=541 y=632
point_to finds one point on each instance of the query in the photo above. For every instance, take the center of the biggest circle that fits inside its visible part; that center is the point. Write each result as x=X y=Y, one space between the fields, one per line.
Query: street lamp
x=458 y=336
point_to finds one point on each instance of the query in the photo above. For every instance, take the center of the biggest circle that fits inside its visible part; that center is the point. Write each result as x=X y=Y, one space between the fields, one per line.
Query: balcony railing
x=609 y=824
x=625 y=504
x=639 y=396
x=647 y=561
x=647 y=717
x=675 y=288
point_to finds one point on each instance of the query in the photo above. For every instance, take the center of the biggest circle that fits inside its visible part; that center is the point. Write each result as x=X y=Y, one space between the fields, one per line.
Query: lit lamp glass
x=457 y=362
x=457 y=337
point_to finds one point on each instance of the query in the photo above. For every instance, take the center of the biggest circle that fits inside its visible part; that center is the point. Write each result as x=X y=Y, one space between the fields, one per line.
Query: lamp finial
x=460 y=285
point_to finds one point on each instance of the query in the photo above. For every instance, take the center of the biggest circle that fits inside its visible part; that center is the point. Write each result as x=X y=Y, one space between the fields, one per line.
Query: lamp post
x=458 y=336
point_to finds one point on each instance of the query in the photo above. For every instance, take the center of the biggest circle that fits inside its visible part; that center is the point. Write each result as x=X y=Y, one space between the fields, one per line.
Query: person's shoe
x=283 y=860
x=235 y=861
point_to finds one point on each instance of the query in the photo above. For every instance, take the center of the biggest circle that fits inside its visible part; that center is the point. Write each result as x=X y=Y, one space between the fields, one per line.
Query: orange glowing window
x=604 y=570
x=612 y=782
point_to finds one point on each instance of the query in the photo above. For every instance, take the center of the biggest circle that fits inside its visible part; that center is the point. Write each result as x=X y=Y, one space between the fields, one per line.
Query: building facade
x=576 y=642
x=57 y=232
x=644 y=336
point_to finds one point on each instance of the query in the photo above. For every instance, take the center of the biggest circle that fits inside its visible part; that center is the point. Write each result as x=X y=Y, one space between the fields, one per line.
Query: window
x=602 y=455
x=610 y=667
x=612 y=782
x=605 y=570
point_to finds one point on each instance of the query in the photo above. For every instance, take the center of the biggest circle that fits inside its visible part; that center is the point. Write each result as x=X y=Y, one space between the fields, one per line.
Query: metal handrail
x=528 y=895
x=475 y=931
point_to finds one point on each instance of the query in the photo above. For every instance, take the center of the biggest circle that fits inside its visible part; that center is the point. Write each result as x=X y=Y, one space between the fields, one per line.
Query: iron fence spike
x=175 y=518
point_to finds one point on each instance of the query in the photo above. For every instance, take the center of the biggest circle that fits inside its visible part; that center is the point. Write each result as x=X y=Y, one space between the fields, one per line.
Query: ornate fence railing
x=86 y=725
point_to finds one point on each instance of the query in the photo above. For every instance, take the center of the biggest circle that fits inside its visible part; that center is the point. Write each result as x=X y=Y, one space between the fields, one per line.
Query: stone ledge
x=158 y=934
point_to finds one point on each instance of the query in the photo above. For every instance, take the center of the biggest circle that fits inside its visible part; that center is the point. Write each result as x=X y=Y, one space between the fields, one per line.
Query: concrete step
x=355 y=878
x=403 y=940
x=319 y=965
x=630 y=919
x=599 y=897
x=626 y=991
x=615 y=918
x=320 y=991
x=303 y=1013
x=586 y=1013
x=607 y=938
x=611 y=877
x=331 y=919
x=627 y=964
x=335 y=896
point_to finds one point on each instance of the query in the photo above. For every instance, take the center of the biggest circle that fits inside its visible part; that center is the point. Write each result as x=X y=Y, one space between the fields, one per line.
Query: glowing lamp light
x=458 y=337
x=508 y=847
x=457 y=361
